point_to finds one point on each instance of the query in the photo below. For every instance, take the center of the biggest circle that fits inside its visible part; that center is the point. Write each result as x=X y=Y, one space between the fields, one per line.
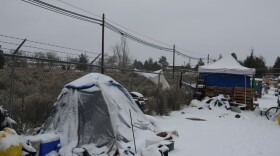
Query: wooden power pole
x=173 y=60
x=102 y=50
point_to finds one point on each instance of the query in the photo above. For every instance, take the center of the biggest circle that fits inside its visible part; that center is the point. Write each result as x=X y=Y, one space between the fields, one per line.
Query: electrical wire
x=89 y=12
x=106 y=24
x=52 y=45
x=38 y=48
x=62 y=11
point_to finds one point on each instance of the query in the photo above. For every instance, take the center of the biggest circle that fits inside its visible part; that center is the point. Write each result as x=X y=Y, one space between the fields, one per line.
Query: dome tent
x=92 y=112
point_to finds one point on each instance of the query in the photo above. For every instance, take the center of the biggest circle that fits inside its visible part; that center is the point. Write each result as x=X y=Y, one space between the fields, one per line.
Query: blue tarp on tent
x=225 y=80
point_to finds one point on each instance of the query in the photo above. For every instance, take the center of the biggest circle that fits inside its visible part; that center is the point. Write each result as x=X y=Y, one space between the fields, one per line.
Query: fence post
x=12 y=78
x=90 y=68
x=178 y=93
x=158 y=96
x=173 y=61
x=131 y=80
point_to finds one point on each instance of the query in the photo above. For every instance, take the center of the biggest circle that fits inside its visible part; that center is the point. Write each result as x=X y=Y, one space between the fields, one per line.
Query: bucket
x=278 y=120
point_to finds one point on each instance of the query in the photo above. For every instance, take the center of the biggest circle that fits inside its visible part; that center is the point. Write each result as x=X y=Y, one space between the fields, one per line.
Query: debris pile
x=217 y=101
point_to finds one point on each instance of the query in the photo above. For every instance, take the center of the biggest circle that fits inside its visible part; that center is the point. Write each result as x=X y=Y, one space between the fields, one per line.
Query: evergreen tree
x=163 y=62
x=199 y=63
x=2 y=59
x=150 y=65
x=276 y=66
x=258 y=63
x=138 y=65
x=156 y=66
x=83 y=59
x=220 y=56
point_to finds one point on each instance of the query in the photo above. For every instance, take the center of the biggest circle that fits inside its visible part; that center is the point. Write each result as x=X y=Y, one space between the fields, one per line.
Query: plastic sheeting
x=92 y=112
x=155 y=77
x=225 y=80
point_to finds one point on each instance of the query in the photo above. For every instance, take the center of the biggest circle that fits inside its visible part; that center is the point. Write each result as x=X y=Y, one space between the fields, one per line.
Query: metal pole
x=173 y=60
x=132 y=132
x=158 y=90
x=12 y=78
x=245 y=90
x=94 y=61
x=131 y=79
x=102 y=57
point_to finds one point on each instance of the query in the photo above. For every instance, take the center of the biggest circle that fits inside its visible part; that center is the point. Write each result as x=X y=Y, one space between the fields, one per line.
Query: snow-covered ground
x=223 y=134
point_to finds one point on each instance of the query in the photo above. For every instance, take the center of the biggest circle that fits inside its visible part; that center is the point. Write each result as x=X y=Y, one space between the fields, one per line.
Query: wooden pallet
x=242 y=95
x=210 y=91
x=236 y=94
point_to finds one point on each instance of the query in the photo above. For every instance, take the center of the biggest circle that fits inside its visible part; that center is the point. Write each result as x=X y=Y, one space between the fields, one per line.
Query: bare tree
x=51 y=56
x=40 y=55
x=121 y=56
x=125 y=53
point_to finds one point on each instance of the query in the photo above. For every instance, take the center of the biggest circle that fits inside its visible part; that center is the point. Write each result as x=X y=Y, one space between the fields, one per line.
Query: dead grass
x=35 y=91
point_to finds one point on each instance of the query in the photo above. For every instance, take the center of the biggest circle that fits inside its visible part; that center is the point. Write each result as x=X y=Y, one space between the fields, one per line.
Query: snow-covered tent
x=226 y=72
x=155 y=77
x=92 y=112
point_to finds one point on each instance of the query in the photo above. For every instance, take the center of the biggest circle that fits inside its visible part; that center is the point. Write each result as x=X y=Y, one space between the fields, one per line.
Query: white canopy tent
x=226 y=65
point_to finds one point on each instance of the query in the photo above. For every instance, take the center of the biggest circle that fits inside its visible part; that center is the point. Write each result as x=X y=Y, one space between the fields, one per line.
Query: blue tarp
x=225 y=80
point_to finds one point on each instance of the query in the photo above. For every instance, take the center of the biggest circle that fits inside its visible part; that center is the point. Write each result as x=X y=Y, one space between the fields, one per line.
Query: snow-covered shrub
x=5 y=120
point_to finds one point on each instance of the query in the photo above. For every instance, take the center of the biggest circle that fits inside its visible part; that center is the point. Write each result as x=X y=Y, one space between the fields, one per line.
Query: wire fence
x=29 y=87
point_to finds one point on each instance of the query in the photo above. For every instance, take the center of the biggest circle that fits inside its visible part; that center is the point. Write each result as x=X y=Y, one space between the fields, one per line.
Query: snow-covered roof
x=227 y=65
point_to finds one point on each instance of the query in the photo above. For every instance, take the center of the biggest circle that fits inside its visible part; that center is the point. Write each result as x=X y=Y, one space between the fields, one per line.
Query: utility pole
x=102 y=50
x=12 y=78
x=173 y=60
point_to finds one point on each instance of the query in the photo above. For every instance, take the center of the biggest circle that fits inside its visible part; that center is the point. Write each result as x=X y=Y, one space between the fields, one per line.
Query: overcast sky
x=200 y=27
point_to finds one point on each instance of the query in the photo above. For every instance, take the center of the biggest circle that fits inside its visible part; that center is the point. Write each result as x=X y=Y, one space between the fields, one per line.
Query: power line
x=36 y=52
x=93 y=20
x=127 y=35
x=78 y=8
x=33 y=47
x=89 y=12
x=52 y=45
x=62 y=11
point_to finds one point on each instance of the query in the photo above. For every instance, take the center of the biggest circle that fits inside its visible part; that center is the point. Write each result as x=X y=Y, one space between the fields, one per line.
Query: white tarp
x=154 y=77
x=94 y=110
x=227 y=65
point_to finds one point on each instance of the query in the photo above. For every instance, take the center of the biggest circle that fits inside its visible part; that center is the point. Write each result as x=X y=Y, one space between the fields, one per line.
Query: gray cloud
x=200 y=26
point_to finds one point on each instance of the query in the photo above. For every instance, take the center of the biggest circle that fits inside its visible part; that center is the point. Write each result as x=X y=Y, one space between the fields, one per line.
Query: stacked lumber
x=210 y=91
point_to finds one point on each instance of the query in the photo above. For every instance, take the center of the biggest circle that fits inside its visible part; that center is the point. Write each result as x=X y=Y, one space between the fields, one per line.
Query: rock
x=237 y=116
